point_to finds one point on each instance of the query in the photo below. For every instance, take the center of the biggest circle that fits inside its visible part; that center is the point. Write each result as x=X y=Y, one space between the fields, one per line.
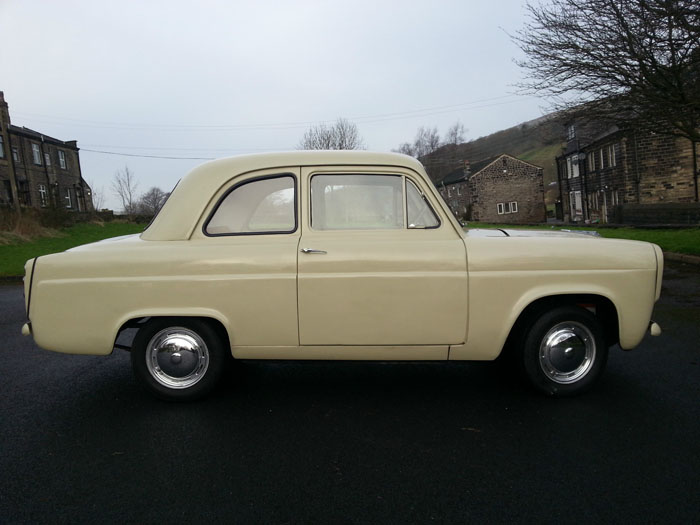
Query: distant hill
x=537 y=141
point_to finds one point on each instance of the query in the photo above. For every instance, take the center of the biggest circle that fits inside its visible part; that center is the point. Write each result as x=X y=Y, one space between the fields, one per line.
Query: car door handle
x=311 y=250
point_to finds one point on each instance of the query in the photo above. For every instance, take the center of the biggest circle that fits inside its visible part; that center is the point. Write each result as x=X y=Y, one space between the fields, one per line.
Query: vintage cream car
x=344 y=256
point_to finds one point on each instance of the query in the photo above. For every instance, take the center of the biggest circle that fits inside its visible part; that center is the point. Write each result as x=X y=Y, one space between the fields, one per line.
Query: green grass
x=686 y=240
x=13 y=256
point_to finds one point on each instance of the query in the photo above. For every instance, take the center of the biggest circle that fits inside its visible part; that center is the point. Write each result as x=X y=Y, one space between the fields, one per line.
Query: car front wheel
x=564 y=352
x=178 y=359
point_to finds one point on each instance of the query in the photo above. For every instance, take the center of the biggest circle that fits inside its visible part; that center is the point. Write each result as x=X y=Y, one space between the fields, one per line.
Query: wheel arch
x=602 y=307
x=138 y=321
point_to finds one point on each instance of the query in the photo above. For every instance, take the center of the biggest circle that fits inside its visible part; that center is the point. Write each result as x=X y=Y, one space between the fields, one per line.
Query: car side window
x=418 y=211
x=257 y=206
x=357 y=202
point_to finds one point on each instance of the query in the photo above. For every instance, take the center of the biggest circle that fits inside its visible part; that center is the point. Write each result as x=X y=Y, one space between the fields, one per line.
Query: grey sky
x=212 y=79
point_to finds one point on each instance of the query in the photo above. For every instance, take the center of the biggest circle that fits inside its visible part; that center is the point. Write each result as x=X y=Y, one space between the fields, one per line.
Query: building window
x=571 y=132
x=459 y=192
x=2 y=147
x=47 y=159
x=500 y=208
x=572 y=167
x=591 y=162
x=612 y=160
x=36 y=154
x=62 y=159
x=514 y=207
x=601 y=158
x=68 y=199
x=449 y=192
x=575 y=204
x=15 y=154
x=43 y=195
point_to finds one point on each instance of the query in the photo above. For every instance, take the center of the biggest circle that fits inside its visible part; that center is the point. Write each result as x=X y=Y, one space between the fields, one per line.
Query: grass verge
x=16 y=253
x=686 y=240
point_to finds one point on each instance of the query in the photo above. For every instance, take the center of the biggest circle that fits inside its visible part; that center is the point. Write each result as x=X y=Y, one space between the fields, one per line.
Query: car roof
x=181 y=212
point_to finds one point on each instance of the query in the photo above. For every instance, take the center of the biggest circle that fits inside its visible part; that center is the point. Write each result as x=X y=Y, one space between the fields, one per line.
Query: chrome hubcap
x=567 y=352
x=177 y=357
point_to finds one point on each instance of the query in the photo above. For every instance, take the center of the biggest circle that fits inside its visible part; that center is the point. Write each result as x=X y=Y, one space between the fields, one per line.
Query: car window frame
x=425 y=199
x=404 y=180
x=251 y=180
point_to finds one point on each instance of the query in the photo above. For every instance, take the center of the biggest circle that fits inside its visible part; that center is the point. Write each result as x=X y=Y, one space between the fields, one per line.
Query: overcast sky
x=210 y=79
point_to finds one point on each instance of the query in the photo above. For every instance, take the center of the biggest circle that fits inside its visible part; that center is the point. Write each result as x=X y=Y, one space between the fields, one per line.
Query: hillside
x=537 y=141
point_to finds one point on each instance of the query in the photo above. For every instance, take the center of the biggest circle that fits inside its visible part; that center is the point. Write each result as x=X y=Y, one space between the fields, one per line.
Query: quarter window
x=419 y=214
x=257 y=206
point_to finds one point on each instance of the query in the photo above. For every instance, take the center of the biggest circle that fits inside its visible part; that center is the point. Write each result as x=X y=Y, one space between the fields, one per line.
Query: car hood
x=501 y=232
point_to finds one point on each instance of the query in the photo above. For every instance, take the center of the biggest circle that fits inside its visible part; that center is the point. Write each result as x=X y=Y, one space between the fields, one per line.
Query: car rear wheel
x=564 y=352
x=178 y=359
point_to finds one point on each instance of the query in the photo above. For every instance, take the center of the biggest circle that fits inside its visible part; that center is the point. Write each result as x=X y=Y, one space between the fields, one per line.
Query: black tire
x=564 y=351
x=178 y=359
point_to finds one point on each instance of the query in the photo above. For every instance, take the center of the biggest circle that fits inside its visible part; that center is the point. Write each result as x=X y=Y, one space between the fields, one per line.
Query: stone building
x=454 y=188
x=39 y=171
x=501 y=190
x=599 y=174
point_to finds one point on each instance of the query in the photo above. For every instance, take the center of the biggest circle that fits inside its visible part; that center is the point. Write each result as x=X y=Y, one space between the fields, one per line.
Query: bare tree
x=455 y=134
x=341 y=135
x=124 y=186
x=634 y=63
x=426 y=141
x=98 y=196
x=152 y=201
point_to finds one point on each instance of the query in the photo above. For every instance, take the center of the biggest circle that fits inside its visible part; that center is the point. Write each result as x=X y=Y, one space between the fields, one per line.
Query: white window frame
x=513 y=206
x=591 y=162
x=15 y=154
x=43 y=196
x=571 y=132
x=67 y=196
x=500 y=208
x=602 y=157
x=62 y=159
x=459 y=191
x=612 y=160
x=36 y=154
x=47 y=159
x=569 y=169
x=574 y=199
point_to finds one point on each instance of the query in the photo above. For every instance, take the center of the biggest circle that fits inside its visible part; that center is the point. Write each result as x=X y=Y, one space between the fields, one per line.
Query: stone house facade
x=39 y=171
x=454 y=188
x=501 y=190
x=620 y=167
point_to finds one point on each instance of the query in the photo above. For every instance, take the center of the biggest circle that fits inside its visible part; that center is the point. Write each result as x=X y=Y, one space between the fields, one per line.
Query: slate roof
x=40 y=136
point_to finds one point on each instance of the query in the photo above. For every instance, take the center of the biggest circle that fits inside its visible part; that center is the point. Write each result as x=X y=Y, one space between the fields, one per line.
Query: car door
x=379 y=263
x=245 y=256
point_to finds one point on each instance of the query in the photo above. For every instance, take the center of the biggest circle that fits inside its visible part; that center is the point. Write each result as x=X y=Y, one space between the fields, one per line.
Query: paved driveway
x=354 y=443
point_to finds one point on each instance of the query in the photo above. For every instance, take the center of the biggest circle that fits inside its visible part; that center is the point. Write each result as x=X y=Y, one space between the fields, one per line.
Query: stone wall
x=676 y=214
x=505 y=181
x=458 y=198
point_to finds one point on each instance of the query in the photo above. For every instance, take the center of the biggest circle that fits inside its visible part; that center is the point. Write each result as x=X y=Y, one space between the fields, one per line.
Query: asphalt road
x=354 y=443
